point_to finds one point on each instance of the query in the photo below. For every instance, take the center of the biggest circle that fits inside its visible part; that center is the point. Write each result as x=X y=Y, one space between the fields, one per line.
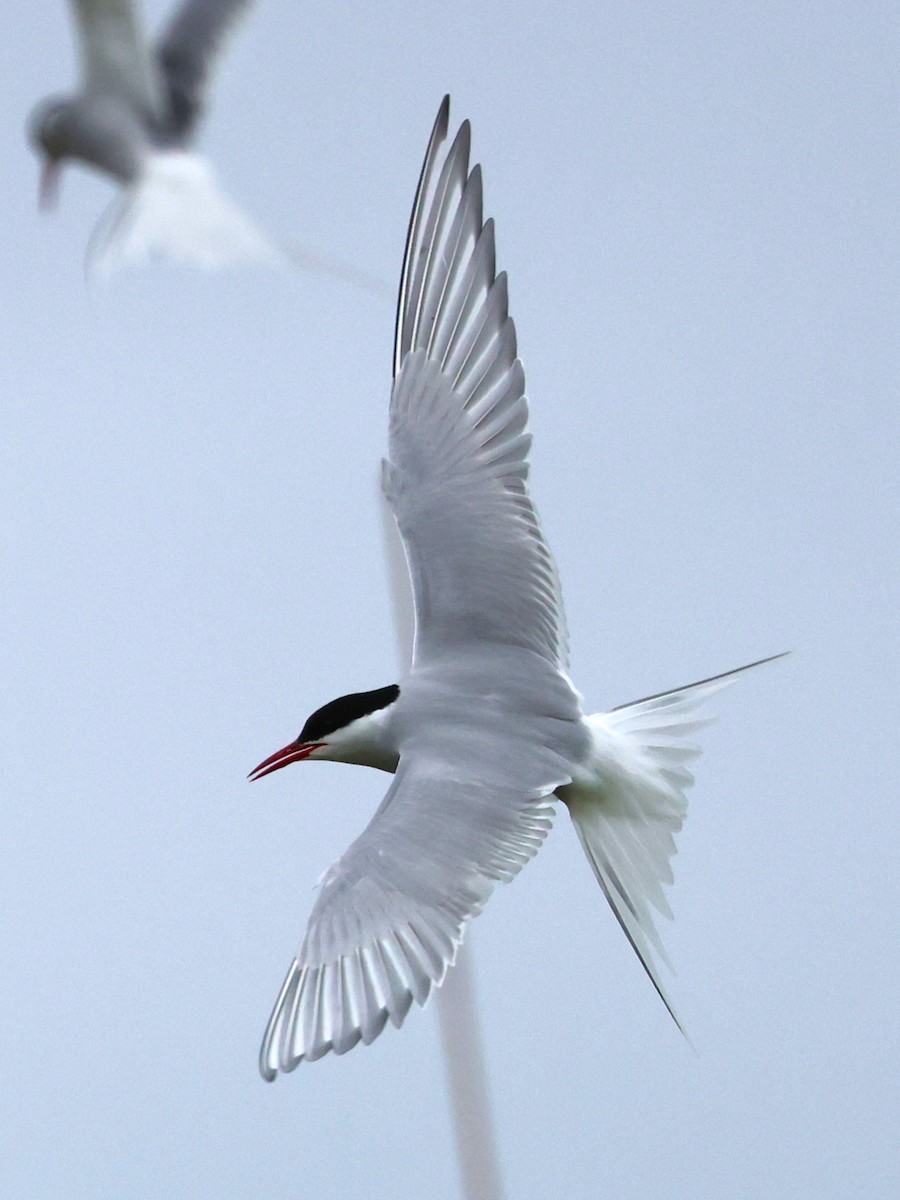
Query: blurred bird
x=135 y=119
x=486 y=729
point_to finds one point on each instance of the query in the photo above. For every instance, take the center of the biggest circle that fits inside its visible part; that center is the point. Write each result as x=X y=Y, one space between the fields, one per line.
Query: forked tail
x=175 y=211
x=627 y=816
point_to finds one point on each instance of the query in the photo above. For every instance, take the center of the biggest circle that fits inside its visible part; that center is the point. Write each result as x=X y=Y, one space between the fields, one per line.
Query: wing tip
x=442 y=120
x=271 y=1063
x=435 y=141
x=410 y=979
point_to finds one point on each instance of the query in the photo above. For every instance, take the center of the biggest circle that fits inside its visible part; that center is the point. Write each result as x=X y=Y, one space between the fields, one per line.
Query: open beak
x=295 y=752
x=48 y=192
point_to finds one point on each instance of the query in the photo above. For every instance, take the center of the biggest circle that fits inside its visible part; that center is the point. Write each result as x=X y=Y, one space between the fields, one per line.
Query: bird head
x=349 y=729
x=49 y=131
x=98 y=130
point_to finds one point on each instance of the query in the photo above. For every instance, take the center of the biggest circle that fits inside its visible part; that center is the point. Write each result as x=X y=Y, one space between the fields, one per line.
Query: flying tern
x=135 y=118
x=486 y=729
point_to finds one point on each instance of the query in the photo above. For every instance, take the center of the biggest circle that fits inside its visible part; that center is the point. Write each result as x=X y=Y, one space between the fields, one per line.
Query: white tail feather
x=630 y=803
x=175 y=211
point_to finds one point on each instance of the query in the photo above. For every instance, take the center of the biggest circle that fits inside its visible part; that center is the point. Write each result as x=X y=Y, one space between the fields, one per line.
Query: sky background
x=697 y=205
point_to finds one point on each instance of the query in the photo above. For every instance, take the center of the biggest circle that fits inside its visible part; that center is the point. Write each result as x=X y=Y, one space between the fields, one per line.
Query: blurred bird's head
x=50 y=132
x=95 y=129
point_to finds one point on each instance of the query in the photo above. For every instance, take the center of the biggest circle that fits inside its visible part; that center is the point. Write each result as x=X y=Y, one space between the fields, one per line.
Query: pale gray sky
x=697 y=206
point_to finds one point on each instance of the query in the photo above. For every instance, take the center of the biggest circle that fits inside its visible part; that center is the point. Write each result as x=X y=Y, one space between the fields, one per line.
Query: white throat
x=365 y=742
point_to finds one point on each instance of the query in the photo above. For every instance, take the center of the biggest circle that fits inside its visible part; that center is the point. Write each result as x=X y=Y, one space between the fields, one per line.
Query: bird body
x=134 y=119
x=486 y=731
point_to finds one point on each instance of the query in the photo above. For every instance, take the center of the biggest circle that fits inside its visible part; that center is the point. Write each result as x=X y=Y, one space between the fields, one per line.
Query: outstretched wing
x=114 y=53
x=393 y=909
x=458 y=447
x=186 y=52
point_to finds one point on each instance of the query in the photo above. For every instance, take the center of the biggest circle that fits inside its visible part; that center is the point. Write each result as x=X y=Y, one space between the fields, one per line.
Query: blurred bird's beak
x=295 y=752
x=49 y=187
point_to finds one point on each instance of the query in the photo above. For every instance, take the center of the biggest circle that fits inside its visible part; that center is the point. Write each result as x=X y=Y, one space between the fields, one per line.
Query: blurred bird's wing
x=458 y=447
x=114 y=53
x=393 y=909
x=186 y=51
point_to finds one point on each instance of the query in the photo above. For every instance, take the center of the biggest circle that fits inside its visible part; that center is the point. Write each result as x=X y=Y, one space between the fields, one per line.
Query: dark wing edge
x=413 y=239
x=451 y=302
x=185 y=52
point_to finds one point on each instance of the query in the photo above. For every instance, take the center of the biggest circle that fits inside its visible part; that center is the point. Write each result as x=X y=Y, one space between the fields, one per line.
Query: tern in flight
x=486 y=730
x=135 y=118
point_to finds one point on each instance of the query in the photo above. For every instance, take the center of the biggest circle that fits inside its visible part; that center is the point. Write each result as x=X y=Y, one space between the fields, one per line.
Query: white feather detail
x=629 y=802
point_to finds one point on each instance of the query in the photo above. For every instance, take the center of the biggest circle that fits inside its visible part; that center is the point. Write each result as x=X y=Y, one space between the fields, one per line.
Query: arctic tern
x=486 y=730
x=134 y=119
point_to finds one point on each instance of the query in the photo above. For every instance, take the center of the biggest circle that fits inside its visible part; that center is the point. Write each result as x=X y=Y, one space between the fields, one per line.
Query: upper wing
x=458 y=446
x=393 y=908
x=114 y=53
x=186 y=51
